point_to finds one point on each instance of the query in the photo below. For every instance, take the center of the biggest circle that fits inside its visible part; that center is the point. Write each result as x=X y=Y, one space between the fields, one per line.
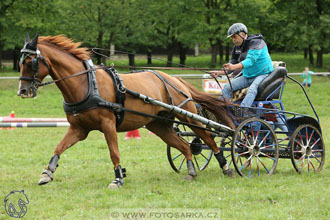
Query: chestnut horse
x=61 y=58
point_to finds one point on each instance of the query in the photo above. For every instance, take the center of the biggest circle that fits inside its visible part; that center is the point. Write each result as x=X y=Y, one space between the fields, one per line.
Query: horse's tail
x=215 y=105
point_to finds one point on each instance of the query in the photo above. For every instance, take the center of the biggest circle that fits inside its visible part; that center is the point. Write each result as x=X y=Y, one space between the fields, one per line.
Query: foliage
x=79 y=187
x=141 y=25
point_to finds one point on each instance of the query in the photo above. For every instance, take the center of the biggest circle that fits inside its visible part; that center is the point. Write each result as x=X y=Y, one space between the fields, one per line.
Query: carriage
x=97 y=98
x=265 y=132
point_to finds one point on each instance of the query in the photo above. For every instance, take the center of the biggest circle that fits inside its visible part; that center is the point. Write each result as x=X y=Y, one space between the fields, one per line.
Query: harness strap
x=178 y=90
x=93 y=99
x=164 y=81
x=119 y=93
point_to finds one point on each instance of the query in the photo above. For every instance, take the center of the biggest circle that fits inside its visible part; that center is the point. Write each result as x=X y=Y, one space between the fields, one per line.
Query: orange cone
x=133 y=134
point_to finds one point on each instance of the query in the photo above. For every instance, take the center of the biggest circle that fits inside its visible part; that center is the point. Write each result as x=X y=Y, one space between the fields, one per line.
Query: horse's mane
x=68 y=45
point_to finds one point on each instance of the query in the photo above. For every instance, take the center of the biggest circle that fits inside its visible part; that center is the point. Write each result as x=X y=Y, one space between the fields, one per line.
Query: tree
x=306 y=25
x=19 y=16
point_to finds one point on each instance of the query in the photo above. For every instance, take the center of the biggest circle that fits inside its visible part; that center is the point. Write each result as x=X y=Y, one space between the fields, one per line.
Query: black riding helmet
x=236 y=29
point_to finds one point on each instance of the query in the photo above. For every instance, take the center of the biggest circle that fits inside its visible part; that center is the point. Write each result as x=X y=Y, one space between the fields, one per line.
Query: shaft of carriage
x=175 y=109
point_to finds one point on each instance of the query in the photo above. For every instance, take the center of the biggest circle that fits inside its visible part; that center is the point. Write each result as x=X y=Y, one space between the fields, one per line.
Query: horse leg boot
x=47 y=174
x=120 y=174
x=223 y=164
x=191 y=170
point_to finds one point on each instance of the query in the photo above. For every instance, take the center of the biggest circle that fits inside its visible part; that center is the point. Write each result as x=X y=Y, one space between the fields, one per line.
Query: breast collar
x=94 y=100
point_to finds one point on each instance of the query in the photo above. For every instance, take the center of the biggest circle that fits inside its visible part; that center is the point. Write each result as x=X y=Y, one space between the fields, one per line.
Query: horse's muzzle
x=27 y=91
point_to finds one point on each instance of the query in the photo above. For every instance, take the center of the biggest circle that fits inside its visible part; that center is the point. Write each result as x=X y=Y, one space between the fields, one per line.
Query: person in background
x=307 y=75
x=250 y=55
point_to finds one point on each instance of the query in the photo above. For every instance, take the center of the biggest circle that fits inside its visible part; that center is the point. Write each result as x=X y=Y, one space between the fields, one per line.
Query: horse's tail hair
x=217 y=106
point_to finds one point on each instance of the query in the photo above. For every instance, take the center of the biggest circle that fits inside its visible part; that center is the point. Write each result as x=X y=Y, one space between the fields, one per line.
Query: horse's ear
x=27 y=38
x=35 y=41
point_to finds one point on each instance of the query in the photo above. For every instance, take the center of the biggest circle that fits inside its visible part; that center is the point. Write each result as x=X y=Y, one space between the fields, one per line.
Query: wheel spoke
x=297 y=141
x=266 y=155
x=196 y=162
x=306 y=136
x=247 y=140
x=241 y=143
x=312 y=165
x=310 y=138
x=173 y=158
x=181 y=163
x=250 y=168
x=207 y=159
x=315 y=142
x=243 y=153
x=316 y=158
x=258 y=166
x=268 y=146
x=302 y=157
x=245 y=163
x=264 y=165
x=302 y=164
x=262 y=141
x=308 y=160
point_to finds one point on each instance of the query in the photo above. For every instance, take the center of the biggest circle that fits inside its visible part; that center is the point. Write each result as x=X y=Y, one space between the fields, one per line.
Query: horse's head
x=32 y=71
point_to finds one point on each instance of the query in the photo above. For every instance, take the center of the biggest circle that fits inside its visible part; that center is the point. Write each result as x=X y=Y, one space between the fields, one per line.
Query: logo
x=15 y=204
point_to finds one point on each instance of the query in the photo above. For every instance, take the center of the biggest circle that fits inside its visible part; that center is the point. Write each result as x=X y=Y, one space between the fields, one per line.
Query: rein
x=73 y=75
x=182 y=65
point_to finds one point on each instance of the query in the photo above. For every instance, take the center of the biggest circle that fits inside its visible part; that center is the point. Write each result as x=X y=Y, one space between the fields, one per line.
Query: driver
x=249 y=55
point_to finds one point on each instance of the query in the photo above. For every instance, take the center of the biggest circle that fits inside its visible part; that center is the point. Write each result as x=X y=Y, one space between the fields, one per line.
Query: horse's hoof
x=229 y=172
x=189 y=177
x=44 y=179
x=113 y=186
x=116 y=184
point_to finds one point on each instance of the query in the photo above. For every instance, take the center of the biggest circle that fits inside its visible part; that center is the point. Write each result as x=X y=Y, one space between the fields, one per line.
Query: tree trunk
x=182 y=54
x=305 y=53
x=170 y=52
x=311 y=58
x=0 y=57
x=196 y=50
x=319 y=58
x=100 y=45
x=220 y=52
x=214 y=50
x=15 y=58
x=227 y=53
x=131 y=59
x=149 y=57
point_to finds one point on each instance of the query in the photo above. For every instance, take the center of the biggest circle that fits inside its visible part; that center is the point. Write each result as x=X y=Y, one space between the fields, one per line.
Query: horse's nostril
x=22 y=91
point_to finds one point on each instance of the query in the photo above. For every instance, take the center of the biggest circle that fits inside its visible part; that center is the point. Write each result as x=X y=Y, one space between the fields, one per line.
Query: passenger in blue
x=250 y=55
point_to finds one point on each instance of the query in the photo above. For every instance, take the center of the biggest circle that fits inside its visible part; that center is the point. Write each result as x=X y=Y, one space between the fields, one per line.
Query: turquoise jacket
x=254 y=56
x=307 y=76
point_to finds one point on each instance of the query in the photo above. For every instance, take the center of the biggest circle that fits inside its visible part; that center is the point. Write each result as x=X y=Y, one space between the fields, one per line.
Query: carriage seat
x=268 y=85
x=271 y=83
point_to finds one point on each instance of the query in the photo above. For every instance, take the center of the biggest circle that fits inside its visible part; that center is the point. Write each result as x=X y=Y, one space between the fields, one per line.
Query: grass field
x=79 y=190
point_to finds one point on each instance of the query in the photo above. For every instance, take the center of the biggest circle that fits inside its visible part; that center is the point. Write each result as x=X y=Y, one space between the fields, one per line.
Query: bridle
x=35 y=82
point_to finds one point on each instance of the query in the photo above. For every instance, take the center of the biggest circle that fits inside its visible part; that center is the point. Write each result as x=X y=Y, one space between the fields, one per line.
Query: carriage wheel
x=307 y=149
x=201 y=153
x=254 y=148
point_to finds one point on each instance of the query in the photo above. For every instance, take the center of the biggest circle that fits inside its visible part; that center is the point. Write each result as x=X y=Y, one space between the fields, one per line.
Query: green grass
x=79 y=188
